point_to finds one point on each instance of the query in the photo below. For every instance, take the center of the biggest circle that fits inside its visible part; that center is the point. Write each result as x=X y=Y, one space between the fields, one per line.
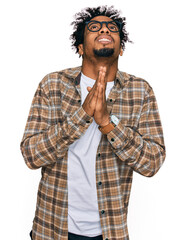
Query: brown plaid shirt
x=57 y=119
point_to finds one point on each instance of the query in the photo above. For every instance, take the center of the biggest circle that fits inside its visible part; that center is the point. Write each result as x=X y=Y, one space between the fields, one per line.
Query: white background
x=35 y=41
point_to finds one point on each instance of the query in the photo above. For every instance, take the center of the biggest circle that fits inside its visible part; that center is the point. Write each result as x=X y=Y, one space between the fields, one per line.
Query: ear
x=121 y=52
x=80 y=47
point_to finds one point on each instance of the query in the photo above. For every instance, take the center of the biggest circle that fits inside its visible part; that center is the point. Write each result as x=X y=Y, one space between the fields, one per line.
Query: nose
x=104 y=29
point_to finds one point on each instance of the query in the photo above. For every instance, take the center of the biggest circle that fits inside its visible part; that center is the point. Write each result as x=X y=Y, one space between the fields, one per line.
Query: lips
x=104 y=39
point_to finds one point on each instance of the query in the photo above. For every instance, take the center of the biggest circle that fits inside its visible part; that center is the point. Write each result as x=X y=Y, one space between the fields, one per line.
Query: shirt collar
x=75 y=73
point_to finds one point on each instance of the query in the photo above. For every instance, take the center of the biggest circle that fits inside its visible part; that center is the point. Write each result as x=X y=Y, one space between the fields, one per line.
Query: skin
x=102 y=69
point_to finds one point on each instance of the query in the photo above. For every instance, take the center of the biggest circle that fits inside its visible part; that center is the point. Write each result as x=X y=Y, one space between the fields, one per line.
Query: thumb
x=89 y=89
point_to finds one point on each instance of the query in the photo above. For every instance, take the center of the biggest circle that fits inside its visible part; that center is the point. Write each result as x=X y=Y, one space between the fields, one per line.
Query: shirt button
x=111 y=100
x=79 y=100
x=106 y=239
x=112 y=139
x=102 y=212
x=99 y=183
x=99 y=154
x=87 y=121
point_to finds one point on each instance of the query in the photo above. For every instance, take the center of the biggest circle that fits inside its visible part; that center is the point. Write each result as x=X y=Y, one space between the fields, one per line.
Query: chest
x=125 y=103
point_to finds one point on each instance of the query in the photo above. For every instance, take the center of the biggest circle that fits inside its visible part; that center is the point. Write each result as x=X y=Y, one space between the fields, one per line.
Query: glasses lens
x=113 y=27
x=94 y=26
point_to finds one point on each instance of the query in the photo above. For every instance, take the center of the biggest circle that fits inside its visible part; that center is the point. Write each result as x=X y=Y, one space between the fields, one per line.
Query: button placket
x=99 y=183
x=100 y=188
x=102 y=212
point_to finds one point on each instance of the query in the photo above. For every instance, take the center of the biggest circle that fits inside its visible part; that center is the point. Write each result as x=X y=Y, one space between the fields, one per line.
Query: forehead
x=102 y=18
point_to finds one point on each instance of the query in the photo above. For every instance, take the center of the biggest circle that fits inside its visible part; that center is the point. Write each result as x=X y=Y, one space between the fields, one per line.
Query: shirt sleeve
x=44 y=141
x=142 y=148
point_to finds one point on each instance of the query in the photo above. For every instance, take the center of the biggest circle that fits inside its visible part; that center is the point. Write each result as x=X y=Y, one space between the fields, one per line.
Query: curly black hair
x=87 y=14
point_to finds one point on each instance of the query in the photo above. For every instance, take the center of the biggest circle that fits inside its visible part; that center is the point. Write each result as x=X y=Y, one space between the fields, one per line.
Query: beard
x=104 y=52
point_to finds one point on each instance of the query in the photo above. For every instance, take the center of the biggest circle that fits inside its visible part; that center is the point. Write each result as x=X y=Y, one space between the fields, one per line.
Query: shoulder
x=57 y=81
x=133 y=82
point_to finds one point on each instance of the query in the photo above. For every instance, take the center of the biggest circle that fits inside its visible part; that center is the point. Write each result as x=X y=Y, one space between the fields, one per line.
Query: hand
x=101 y=115
x=89 y=104
x=95 y=102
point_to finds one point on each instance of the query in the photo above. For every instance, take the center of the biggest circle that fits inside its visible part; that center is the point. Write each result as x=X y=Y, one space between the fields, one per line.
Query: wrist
x=105 y=122
x=113 y=122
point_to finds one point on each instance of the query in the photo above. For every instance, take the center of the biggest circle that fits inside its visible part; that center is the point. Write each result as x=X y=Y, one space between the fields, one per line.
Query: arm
x=44 y=142
x=143 y=148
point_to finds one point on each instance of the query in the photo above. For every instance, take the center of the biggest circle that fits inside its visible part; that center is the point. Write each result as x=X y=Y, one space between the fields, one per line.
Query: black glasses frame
x=119 y=25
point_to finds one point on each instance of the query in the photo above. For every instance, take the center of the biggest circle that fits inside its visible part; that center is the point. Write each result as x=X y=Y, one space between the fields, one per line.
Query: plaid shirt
x=57 y=119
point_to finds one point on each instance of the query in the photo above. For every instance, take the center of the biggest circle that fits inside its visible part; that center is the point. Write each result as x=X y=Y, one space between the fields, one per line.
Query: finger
x=94 y=88
x=103 y=78
x=100 y=97
x=92 y=91
x=104 y=85
x=89 y=89
x=98 y=80
x=90 y=94
x=104 y=96
x=93 y=99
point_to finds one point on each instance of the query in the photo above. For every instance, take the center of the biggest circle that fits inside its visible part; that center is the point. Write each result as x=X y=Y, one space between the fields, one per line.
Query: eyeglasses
x=95 y=26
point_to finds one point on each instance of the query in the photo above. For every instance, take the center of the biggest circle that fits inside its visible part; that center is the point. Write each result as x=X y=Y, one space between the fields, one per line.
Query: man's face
x=103 y=43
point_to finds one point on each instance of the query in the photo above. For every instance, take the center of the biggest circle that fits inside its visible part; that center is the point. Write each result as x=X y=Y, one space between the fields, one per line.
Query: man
x=88 y=129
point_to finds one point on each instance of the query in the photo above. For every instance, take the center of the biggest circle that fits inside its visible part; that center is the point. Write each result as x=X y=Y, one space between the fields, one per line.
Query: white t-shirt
x=83 y=213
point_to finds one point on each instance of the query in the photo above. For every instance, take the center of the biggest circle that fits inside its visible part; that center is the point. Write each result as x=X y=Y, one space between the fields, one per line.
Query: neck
x=90 y=69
